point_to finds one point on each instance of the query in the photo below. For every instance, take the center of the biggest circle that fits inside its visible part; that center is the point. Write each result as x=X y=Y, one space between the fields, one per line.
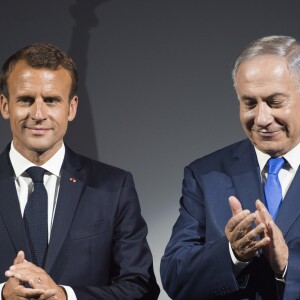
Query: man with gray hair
x=237 y=236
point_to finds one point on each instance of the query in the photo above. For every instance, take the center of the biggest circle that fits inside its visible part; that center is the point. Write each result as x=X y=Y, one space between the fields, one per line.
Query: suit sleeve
x=195 y=266
x=132 y=274
x=292 y=280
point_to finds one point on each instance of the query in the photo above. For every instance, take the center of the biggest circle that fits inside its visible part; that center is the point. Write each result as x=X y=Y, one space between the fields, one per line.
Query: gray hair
x=284 y=46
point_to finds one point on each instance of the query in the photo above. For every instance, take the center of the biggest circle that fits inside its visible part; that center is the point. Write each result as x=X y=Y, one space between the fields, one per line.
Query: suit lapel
x=10 y=207
x=71 y=185
x=247 y=184
x=290 y=208
x=246 y=176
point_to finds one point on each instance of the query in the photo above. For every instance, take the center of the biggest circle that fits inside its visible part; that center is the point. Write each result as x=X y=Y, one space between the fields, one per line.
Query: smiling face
x=39 y=109
x=269 y=98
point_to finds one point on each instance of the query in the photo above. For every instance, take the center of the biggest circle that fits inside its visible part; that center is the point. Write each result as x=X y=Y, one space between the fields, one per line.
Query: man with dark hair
x=227 y=244
x=70 y=227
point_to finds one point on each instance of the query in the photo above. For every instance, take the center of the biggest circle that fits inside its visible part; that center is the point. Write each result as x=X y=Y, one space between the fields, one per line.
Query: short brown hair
x=40 y=55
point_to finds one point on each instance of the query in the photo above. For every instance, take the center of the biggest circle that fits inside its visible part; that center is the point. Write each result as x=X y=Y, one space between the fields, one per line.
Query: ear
x=4 y=107
x=73 y=108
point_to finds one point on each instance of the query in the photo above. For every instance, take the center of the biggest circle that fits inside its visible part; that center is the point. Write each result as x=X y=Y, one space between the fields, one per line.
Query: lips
x=267 y=132
x=38 y=130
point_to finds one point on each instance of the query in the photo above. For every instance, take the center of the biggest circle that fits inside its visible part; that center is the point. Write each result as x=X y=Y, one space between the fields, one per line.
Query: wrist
x=281 y=276
x=63 y=292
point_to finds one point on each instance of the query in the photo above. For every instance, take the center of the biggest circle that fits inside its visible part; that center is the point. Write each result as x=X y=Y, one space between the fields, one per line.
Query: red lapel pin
x=72 y=179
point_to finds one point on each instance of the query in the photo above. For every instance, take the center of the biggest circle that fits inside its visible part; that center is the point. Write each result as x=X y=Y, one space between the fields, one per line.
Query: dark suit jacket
x=197 y=262
x=98 y=240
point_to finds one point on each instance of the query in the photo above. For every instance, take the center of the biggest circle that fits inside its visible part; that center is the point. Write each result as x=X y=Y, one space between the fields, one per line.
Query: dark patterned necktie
x=36 y=217
x=273 y=190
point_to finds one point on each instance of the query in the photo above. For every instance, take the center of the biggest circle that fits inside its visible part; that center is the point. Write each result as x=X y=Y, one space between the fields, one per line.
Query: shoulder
x=96 y=171
x=222 y=158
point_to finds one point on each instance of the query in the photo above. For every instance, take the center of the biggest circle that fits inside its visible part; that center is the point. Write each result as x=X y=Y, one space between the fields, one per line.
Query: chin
x=269 y=148
x=40 y=148
x=272 y=151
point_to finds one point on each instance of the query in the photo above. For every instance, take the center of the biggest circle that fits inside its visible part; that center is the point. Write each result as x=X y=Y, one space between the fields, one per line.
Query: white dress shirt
x=286 y=176
x=24 y=184
x=288 y=171
x=24 y=187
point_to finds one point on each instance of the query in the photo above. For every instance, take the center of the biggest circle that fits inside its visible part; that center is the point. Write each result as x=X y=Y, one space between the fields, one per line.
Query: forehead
x=265 y=72
x=23 y=76
x=263 y=66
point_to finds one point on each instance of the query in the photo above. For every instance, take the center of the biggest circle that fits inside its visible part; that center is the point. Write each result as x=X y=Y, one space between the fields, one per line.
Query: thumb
x=20 y=258
x=235 y=205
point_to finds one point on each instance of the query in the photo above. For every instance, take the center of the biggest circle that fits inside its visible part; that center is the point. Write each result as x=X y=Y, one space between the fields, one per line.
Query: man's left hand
x=36 y=277
x=276 y=251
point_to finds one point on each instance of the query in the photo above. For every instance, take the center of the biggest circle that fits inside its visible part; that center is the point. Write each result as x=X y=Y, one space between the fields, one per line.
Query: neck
x=38 y=156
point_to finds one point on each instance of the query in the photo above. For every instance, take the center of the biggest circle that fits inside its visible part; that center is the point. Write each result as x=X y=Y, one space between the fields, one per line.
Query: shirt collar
x=20 y=164
x=292 y=157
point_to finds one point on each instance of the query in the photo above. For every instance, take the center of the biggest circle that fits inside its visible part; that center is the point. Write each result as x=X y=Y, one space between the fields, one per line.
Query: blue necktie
x=36 y=217
x=273 y=190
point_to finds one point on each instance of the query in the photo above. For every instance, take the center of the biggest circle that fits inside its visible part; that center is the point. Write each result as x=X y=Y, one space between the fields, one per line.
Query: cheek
x=247 y=120
x=246 y=117
x=18 y=115
x=61 y=122
x=58 y=115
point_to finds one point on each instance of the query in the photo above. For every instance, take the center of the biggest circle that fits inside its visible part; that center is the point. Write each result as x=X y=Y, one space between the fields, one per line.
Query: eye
x=51 y=100
x=249 y=103
x=275 y=103
x=26 y=100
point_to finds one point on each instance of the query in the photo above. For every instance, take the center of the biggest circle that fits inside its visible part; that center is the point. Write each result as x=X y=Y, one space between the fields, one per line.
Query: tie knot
x=36 y=174
x=275 y=164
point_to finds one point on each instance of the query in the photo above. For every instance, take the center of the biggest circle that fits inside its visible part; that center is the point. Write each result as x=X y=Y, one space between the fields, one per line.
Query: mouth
x=39 y=131
x=267 y=133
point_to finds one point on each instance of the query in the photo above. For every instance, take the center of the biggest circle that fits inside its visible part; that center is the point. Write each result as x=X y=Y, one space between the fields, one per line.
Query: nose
x=264 y=115
x=38 y=110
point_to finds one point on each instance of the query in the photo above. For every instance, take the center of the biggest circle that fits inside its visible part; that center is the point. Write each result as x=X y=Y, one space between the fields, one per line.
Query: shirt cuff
x=238 y=265
x=1 y=288
x=70 y=292
x=281 y=277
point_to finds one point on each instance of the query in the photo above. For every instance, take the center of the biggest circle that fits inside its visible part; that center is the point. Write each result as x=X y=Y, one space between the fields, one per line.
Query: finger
x=25 y=265
x=265 y=217
x=28 y=293
x=258 y=219
x=235 y=205
x=49 y=294
x=243 y=227
x=248 y=247
x=19 y=258
x=236 y=220
x=9 y=273
x=32 y=278
x=243 y=239
x=273 y=231
x=13 y=282
x=247 y=250
x=256 y=232
x=252 y=237
x=262 y=243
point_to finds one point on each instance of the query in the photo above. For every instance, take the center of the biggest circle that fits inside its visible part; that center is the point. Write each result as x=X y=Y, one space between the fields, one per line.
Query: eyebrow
x=23 y=97
x=28 y=96
x=245 y=97
x=59 y=98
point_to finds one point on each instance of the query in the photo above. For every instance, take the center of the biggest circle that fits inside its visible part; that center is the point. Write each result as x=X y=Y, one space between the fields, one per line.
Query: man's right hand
x=241 y=234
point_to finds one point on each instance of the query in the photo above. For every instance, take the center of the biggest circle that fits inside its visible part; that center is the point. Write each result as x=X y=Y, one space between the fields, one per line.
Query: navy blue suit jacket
x=98 y=240
x=197 y=262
